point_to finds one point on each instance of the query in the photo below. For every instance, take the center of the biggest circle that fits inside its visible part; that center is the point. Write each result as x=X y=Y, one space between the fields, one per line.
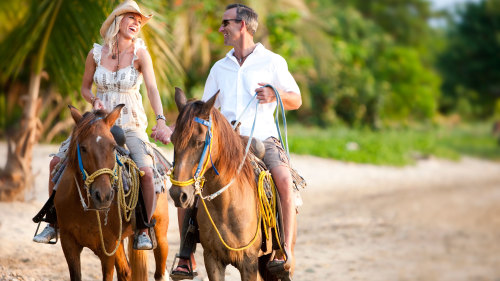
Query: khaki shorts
x=140 y=152
x=275 y=154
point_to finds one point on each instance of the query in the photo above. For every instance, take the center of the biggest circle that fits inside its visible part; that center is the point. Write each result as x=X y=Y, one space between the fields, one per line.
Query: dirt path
x=437 y=220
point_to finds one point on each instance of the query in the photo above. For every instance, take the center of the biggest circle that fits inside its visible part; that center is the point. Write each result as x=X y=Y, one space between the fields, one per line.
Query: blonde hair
x=110 y=37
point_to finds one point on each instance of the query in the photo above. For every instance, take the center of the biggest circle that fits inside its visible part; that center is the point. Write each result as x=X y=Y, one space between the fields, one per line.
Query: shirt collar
x=258 y=48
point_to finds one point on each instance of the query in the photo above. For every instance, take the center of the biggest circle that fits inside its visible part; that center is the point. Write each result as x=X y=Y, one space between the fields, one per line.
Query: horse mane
x=232 y=147
x=83 y=129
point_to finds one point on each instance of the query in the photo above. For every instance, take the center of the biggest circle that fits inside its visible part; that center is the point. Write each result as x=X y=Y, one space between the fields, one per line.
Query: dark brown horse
x=93 y=143
x=235 y=210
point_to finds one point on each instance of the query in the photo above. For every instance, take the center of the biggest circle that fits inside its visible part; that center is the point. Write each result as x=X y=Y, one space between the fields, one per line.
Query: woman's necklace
x=118 y=54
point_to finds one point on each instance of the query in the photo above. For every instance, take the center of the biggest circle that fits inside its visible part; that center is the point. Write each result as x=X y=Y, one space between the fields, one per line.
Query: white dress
x=114 y=88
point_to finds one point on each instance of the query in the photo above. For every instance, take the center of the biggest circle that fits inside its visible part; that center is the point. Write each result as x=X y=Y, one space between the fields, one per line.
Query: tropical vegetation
x=366 y=66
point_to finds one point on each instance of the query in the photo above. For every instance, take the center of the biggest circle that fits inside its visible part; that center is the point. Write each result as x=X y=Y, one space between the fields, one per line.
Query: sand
x=436 y=220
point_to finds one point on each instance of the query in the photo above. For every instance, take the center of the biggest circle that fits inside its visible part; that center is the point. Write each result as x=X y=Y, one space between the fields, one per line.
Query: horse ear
x=75 y=113
x=180 y=99
x=113 y=115
x=210 y=103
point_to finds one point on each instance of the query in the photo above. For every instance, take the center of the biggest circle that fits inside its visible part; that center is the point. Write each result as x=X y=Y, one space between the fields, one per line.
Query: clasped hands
x=161 y=132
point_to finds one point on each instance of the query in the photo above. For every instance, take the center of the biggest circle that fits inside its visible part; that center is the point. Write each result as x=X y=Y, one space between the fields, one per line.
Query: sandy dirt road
x=436 y=220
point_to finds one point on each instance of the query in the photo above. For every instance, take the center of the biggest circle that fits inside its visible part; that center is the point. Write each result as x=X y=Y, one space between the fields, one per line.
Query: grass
x=395 y=147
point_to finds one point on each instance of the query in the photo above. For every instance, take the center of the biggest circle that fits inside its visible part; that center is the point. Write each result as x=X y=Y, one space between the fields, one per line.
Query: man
x=242 y=72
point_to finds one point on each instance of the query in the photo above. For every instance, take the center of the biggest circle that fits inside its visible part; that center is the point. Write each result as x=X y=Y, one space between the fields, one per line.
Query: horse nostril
x=183 y=197
x=110 y=195
x=97 y=195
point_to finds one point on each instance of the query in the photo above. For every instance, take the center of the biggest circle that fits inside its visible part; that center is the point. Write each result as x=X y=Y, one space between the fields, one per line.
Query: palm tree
x=52 y=40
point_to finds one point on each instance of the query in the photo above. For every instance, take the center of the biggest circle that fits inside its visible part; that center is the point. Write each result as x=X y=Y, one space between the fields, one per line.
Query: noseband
x=88 y=180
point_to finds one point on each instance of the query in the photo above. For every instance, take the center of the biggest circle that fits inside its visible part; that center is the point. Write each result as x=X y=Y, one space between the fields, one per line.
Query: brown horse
x=93 y=144
x=234 y=211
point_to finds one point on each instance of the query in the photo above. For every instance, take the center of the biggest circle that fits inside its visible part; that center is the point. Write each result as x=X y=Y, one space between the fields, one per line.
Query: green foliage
x=396 y=147
x=470 y=62
x=405 y=20
x=413 y=90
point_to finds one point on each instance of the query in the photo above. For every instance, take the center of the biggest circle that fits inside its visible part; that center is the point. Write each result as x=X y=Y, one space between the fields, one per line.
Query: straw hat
x=128 y=6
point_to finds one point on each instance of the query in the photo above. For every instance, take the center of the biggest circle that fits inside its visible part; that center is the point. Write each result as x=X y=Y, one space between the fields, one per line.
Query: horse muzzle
x=102 y=197
x=183 y=197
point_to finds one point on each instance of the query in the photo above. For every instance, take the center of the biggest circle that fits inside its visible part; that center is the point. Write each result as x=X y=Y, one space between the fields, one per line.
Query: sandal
x=181 y=275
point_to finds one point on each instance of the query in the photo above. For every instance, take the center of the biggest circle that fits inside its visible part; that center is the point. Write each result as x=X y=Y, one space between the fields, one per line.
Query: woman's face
x=130 y=25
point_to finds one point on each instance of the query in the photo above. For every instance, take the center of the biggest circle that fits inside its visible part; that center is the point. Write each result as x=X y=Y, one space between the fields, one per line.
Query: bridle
x=89 y=179
x=198 y=179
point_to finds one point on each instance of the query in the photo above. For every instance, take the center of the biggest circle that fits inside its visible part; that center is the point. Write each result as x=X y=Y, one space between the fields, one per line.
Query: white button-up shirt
x=237 y=86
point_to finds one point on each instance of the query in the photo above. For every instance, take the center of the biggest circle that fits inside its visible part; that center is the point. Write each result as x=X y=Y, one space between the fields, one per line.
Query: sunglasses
x=226 y=22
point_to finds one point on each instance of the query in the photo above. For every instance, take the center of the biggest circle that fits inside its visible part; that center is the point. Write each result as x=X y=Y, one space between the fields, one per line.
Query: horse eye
x=200 y=143
x=83 y=149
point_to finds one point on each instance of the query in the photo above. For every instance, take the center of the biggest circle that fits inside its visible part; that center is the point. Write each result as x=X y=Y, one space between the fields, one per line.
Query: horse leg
x=215 y=268
x=107 y=267
x=161 y=228
x=121 y=264
x=249 y=270
x=72 y=253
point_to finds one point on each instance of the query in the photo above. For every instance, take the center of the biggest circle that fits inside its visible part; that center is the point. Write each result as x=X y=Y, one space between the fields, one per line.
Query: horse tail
x=138 y=262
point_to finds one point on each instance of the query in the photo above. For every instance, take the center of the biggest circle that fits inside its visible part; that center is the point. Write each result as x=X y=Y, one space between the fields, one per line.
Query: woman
x=117 y=68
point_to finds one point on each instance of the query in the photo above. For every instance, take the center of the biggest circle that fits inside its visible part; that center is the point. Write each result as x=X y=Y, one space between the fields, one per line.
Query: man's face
x=230 y=27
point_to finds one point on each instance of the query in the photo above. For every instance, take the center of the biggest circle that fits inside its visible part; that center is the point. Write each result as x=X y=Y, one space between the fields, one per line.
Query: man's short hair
x=246 y=14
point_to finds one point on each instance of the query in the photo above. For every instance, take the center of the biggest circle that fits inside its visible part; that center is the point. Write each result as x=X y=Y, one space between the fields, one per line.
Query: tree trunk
x=17 y=178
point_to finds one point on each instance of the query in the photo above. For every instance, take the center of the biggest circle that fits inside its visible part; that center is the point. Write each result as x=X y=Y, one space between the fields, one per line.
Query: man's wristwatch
x=161 y=116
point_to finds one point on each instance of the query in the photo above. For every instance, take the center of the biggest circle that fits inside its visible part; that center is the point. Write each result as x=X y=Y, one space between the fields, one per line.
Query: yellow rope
x=220 y=236
x=122 y=204
x=102 y=238
x=266 y=209
x=133 y=192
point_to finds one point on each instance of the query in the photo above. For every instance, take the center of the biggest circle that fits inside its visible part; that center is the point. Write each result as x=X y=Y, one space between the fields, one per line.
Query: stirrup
x=152 y=237
x=280 y=268
x=50 y=241
x=190 y=274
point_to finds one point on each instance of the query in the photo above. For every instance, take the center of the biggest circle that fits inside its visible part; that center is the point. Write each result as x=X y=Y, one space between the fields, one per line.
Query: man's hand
x=265 y=94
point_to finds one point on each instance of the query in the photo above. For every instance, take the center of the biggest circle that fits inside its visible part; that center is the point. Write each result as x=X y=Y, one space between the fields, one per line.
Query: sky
x=447 y=4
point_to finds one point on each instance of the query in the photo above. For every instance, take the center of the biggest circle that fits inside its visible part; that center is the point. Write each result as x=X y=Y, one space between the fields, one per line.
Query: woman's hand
x=161 y=132
x=97 y=104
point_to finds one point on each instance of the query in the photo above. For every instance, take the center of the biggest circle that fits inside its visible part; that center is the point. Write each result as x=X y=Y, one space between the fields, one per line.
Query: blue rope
x=80 y=163
x=280 y=106
x=208 y=138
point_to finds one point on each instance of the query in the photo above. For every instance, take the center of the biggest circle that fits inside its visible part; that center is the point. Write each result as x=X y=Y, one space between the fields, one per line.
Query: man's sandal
x=183 y=275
